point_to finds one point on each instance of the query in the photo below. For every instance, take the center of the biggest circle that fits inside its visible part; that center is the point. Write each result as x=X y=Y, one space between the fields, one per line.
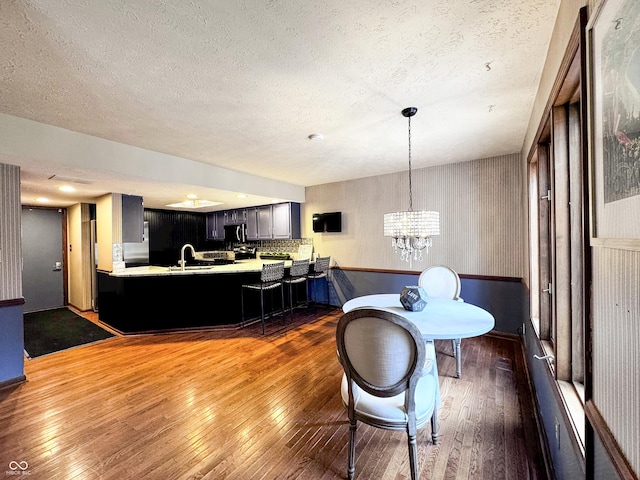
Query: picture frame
x=613 y=44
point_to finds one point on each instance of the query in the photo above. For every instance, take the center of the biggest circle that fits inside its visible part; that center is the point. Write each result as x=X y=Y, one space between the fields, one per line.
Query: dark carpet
x=54 y=330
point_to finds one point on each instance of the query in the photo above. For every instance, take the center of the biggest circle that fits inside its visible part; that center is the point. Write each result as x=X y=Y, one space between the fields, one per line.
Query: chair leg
x=291 y=301
x=351 y=468
x=262 y=309
x=241 y=307
x=413 y=455
x=306 y=298
x=326 y=280
x=284 y=318
x=434 y=426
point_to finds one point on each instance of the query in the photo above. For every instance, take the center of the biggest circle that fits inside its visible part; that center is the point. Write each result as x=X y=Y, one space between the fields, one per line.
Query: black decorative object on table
x=413 y=298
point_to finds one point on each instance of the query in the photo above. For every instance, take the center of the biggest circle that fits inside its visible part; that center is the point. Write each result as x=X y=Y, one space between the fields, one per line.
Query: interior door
x=42 y=250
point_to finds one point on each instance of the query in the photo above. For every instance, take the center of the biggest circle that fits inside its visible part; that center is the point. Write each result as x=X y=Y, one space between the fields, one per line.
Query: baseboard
x=616 y=456
x=12 y=382
x=504 y=335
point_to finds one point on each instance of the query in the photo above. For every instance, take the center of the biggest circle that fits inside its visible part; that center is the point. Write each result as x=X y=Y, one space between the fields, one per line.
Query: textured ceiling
x=242 y=84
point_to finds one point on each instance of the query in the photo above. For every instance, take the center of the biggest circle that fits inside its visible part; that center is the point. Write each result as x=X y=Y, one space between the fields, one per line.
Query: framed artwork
x=613 y=36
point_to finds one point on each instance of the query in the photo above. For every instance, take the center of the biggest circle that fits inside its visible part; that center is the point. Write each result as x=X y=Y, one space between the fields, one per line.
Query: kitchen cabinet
x=278 y=221
x=215 y=225
x=252 y=223
x=266 y=222
x=283 y=217
x=235 y=217
x=263 y=214
x=132 y=219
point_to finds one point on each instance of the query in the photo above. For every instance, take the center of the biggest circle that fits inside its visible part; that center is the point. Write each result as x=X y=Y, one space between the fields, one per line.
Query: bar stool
x=270 y=278
x=297 y=274
x=320 y=270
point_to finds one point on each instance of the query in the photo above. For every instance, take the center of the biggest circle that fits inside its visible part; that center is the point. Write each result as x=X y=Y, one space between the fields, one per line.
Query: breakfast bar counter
x=154 y=298
x=240 y=266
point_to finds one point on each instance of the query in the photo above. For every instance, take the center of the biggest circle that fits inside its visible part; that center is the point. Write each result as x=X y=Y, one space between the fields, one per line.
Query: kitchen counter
x=240 y=266
x=160 y=299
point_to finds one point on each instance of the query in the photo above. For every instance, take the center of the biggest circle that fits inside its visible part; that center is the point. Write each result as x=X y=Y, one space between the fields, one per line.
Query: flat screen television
x=327 y=222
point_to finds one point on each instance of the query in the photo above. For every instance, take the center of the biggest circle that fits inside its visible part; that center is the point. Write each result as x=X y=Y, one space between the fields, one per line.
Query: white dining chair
x=390 y=378
x=443 y=282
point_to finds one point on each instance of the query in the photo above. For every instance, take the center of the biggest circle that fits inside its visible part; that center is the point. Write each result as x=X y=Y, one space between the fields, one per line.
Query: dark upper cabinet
x=215 y=225
x=263 y=214
x=235 y=217
x=252 y=223
x=132 y=219
x=266 y=222
x=285 y=218
x=278 y=221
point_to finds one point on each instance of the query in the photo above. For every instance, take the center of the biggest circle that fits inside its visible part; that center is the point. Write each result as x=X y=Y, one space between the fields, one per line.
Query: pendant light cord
x=410 y=190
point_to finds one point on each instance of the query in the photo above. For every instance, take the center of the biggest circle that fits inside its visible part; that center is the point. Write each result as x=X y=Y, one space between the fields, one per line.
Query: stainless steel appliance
x=235 y=233
x=244 y=252
x=215 y=257
x=137 y=254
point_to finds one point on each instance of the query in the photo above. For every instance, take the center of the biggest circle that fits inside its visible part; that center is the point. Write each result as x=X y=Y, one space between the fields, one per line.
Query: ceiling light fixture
x=42 y=200
x=194 y=204
x=411 y=231
x=67 y=188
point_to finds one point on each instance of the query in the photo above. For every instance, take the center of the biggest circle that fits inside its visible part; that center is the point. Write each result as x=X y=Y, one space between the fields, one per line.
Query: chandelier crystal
x=411 y=231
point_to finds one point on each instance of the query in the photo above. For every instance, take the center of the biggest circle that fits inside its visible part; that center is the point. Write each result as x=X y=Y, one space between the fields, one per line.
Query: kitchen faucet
x=182 y=261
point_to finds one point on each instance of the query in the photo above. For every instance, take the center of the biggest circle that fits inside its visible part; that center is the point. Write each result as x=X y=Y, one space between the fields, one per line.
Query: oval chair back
x=297 y=274
x=440 y=281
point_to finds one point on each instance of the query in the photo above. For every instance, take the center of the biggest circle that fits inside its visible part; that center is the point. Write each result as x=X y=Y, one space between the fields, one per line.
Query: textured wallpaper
x=479 y=210
x=10 y=237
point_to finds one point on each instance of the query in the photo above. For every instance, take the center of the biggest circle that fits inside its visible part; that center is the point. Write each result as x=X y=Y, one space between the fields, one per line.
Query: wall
x=11 y=301
x=10 y=233
x=108 y=228
x=478 y=202
x=63 y=147
x=616 y=345
x=78 y=256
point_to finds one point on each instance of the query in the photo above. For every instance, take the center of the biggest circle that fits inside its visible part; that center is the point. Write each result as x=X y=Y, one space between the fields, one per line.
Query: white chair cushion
x=390 y=410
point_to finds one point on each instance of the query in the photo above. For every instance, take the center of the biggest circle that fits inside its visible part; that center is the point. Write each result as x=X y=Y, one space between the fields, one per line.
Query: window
x=558 y=233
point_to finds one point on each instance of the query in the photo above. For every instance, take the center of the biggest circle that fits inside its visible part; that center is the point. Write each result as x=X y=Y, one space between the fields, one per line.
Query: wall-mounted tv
x=327 y=222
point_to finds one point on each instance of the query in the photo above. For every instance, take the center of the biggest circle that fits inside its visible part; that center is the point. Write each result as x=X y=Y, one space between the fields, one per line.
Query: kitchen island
x=153 y=298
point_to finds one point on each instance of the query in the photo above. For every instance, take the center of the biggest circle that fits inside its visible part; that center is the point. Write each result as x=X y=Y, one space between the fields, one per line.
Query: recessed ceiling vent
x=82 y=181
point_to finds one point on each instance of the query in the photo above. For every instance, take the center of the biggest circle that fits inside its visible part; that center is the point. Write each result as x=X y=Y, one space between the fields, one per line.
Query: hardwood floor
x=234 y=404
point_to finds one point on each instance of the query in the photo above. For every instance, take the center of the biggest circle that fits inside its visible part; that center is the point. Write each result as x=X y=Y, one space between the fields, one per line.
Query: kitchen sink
x=190 y=267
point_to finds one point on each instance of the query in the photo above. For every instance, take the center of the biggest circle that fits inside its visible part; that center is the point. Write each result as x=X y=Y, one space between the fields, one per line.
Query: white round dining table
x=441 y=319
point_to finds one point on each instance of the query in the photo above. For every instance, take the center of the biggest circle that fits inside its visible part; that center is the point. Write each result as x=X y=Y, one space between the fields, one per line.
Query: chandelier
x=411 y=231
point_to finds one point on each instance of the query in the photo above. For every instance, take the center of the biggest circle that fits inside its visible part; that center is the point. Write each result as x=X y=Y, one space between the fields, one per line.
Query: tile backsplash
x=288 y=246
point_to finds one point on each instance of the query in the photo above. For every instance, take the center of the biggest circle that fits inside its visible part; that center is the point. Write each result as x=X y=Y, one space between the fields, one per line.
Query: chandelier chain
x=410 y=189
